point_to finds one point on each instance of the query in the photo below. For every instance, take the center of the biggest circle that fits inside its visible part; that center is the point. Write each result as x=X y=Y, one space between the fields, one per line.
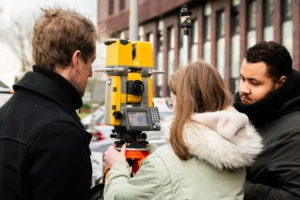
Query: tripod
x=136 y=148
x=135 y=158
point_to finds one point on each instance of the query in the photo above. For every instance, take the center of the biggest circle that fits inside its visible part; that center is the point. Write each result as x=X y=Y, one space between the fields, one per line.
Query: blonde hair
x=198 y=88
x=58 y=33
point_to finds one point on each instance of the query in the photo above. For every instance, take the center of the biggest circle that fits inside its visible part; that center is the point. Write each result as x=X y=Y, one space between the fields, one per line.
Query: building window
x=251 y=15
x=221 y=42
x=122 y=4
x=287 y=10
x=268 y=27
x=235 y=47
x=207 y=28
x=110 y=7
x=194 y=41
x=116 y=35
x=149 y=38
x=207 y=33
x=267 y=13
x=220 y=24
x=207 y=39
x=251 y=19
x=171 y=55
x=181 y=50
x=287 y=25
x=159 y=59
x=141 y=33
x=235 y=20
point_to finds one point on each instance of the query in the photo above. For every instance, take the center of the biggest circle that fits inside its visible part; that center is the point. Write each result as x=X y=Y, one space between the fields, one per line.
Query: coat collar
x=225 y=139
x=52 y=85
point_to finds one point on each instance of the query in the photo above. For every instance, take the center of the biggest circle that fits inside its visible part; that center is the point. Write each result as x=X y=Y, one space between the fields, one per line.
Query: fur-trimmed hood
x=225 y=139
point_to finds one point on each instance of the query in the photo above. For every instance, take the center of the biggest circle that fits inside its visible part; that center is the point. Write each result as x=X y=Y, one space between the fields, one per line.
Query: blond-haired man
x=44 y=149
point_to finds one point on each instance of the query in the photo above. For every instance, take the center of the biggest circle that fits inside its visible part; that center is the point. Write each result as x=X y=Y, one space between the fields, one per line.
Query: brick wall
x=148 y=9
x=168 y=10
x=243 y=30
x=277 y=20
x=296 y=33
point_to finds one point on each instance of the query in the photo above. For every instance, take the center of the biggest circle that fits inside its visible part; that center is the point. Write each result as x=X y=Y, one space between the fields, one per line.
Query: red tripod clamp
x=135 y=158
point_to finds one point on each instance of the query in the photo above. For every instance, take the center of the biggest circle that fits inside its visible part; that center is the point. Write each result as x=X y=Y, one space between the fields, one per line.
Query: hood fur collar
x=225 y=139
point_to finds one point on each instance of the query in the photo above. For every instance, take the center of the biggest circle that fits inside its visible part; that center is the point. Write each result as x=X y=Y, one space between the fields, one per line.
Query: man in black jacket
x=44 y=150
x=269 y=93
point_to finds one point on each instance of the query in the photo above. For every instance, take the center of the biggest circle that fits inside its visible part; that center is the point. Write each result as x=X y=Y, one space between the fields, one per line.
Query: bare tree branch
x=17 y=36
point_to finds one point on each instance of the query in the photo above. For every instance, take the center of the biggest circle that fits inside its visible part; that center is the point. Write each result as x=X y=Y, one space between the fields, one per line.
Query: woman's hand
x=112 y=155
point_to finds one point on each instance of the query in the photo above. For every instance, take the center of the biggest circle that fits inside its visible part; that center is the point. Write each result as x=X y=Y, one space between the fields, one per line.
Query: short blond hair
x=58 y=33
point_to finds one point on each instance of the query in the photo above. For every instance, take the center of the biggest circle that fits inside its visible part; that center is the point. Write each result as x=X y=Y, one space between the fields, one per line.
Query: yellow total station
x=128 y=65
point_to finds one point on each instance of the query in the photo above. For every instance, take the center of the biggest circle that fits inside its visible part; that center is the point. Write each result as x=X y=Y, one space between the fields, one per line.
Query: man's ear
x=75 y=58
x=280 y=82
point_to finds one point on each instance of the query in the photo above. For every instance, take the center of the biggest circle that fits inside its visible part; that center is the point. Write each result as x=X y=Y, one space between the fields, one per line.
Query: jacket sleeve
x=284 y=168
x=147 y=182
x=263 y=192
x=60 y=164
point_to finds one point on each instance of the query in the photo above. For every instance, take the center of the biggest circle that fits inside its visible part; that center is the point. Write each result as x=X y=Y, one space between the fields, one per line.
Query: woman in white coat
x=209 y=146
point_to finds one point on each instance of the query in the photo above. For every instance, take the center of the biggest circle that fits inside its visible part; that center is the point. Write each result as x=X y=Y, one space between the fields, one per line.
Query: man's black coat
x=44 y=150
x=276 y=173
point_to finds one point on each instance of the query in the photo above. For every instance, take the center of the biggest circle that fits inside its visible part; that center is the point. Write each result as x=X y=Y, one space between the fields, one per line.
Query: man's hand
x=112 y=155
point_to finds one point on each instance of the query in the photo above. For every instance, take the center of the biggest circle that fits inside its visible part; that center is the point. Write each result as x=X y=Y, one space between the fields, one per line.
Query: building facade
x=221 y=32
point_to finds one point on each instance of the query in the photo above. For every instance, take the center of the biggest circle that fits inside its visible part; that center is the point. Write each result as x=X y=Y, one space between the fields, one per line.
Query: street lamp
x=185 y=24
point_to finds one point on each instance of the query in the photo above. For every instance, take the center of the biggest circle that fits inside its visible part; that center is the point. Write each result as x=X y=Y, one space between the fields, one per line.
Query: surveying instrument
x=129 y=100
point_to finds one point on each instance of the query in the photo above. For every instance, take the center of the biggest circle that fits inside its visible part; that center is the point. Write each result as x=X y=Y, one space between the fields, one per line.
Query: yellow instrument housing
x=133 y=56
x=119 y=54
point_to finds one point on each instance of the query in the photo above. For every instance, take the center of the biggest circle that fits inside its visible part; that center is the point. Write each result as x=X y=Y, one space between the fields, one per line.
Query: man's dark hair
x=274 y=55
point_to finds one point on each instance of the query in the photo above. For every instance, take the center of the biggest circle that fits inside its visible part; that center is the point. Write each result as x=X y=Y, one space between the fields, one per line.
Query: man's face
x=83 y=73
x=255 y=84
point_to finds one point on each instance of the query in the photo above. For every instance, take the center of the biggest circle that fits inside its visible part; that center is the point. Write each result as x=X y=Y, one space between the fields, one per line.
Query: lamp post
x=185 y=24
x=134 y=20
